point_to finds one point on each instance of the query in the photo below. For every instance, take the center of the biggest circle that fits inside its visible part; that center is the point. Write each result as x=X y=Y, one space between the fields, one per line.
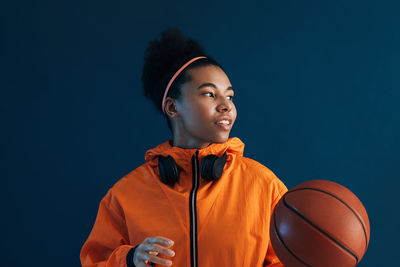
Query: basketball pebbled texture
x=319 y=223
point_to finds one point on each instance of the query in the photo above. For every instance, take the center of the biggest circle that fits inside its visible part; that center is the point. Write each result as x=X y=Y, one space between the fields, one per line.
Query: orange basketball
x=319 y=223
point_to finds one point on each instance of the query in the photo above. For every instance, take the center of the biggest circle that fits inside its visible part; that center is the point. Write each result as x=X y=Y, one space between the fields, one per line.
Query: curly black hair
x=163 y=58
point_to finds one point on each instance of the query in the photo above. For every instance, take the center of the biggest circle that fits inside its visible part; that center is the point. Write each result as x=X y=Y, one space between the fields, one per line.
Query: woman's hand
x=148 y=250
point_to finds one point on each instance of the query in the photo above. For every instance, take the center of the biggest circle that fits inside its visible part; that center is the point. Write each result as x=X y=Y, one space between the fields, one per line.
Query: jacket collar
x=183 y=155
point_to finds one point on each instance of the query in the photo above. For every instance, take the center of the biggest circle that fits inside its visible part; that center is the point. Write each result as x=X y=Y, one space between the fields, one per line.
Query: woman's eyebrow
x=212 y=85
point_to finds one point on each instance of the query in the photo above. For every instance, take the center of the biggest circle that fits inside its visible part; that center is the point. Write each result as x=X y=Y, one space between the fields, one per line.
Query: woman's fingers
x=159 y=249
x=142 y=264
x=148 y=250
x=160 y=240
x=155 y=259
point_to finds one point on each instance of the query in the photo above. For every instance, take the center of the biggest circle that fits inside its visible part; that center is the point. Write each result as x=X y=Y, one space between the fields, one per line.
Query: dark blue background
x=317 y=92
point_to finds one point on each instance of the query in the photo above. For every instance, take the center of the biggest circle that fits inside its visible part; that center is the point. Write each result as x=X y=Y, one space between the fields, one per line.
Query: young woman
x=197 y=201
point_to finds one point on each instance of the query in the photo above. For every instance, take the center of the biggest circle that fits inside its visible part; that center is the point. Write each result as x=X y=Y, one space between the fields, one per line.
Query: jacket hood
x=232 y=146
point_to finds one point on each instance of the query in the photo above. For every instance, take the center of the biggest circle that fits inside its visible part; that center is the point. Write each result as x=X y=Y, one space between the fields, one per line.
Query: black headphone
x=211 y=168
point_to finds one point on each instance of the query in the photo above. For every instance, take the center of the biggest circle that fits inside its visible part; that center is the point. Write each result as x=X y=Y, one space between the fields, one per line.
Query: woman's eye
x=230 y=97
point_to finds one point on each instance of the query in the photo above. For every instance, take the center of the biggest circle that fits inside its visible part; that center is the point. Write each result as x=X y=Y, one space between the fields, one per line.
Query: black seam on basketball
x=319 y=229
x=332 y=195
x=283 y=243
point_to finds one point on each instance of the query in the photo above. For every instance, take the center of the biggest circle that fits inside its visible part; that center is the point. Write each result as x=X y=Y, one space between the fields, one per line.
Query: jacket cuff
x=129 y=257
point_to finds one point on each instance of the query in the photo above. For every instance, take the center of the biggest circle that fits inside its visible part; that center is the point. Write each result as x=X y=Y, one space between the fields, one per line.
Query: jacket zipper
x=192 y=209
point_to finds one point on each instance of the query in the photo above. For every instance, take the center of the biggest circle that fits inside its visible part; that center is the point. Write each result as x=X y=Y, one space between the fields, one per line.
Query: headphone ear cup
x=212 y=167
x=168 y=169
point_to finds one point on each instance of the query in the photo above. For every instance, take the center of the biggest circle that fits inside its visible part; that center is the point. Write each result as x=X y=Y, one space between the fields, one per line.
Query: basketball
x=319 y=223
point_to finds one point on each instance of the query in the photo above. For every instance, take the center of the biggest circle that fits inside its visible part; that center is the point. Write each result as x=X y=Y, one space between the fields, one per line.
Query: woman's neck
x=189 y=144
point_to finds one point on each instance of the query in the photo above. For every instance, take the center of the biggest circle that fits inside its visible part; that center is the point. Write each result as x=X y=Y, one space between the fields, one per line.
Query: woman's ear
x=171 y=108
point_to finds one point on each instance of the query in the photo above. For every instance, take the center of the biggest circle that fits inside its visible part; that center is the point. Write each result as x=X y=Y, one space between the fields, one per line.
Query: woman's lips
x=225 y=127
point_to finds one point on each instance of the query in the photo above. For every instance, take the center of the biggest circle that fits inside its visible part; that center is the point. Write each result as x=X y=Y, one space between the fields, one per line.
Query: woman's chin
x=220 y=139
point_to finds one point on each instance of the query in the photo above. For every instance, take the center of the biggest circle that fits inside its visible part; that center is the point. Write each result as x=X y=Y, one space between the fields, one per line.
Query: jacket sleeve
x=271 y=260
x=108 y=242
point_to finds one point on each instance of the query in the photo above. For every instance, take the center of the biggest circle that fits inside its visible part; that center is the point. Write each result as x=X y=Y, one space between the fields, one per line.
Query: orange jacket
x=232 y=214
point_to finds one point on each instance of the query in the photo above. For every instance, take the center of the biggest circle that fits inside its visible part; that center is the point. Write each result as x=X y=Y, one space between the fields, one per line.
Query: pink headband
x=174 y=77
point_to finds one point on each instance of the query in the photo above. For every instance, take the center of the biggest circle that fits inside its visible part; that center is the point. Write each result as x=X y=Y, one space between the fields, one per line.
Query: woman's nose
x=224 y=106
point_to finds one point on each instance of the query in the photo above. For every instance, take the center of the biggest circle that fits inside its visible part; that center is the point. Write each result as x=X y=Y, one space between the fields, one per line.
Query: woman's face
x=205 y=111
